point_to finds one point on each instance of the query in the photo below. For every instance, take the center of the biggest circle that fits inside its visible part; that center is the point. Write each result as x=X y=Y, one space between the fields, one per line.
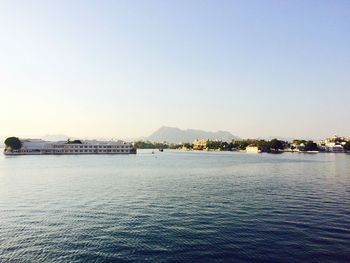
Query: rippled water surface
x=175 y=206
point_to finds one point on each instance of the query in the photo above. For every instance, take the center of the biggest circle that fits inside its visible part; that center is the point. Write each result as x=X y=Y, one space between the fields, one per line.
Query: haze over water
x=175 y=206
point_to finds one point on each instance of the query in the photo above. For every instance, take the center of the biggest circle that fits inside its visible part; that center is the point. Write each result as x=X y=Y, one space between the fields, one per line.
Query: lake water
x=175 y=206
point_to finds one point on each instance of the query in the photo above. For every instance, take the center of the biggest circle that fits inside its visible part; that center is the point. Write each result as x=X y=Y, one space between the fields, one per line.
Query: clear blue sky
x=125 y=68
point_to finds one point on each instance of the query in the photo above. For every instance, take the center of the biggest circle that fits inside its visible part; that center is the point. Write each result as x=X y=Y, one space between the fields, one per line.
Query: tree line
x=273 y=145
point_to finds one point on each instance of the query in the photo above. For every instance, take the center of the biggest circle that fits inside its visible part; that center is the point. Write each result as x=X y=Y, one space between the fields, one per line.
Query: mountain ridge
x=177 y=135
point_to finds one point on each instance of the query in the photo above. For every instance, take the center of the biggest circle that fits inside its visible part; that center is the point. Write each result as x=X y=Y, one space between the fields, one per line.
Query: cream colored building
x=37 y=146
x=201 y=144
x=252 y=148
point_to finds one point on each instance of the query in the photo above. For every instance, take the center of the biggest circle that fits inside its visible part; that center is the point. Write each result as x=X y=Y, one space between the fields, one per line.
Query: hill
x=176 y=135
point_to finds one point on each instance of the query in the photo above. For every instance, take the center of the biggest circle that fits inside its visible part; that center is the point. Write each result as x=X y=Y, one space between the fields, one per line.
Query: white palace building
x=38 y=146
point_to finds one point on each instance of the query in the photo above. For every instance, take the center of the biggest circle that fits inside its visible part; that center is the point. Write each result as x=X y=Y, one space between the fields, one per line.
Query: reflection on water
x=175 y=206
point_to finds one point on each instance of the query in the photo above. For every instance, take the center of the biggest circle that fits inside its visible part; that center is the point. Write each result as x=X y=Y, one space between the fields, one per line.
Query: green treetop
x=14 y=143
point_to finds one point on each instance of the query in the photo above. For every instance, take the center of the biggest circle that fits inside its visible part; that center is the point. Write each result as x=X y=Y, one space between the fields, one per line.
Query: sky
x=122 y=69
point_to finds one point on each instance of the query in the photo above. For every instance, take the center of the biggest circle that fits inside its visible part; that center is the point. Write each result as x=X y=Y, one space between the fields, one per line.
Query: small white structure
x=252 y=148
x=333 y=147
x=37 y=146
x=298 y=147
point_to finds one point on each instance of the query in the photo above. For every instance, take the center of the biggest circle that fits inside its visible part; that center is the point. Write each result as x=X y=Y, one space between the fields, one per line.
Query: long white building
x=37 y=146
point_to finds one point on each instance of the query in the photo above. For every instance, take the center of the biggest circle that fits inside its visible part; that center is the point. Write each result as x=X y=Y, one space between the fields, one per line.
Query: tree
x=233 y=145
x=265 y=146
x=14 y=143
x=243 y=145
x=298 y=142
x=347 y=146
x=151 y=145
x=187 y=145
x=74 y=141
x=276 y=144
x=310 y=146
x=214 y=145
x=224 y=146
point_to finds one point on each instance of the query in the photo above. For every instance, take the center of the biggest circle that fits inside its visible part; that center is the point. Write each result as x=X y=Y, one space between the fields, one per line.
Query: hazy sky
x=125 y=68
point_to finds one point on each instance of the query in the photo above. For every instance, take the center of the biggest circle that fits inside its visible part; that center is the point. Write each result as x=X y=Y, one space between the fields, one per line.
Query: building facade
x=36 y=146
x=252 y=148
x=201 y=144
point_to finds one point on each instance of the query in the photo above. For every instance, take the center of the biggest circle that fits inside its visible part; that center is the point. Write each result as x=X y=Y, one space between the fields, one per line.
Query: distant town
x=334 y=144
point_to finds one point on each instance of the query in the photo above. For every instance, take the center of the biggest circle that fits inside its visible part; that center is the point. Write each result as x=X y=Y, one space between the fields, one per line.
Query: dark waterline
x=175 y=206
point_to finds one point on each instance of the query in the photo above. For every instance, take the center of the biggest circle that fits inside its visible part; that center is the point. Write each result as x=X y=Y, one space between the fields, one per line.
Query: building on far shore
x=331 y=147
x=253 y=148
x=201 y=144
x=333 y=144
x=37 y=146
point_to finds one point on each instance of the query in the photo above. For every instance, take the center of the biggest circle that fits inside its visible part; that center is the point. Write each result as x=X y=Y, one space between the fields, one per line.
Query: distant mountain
x=55 y=137
x=176 y=135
